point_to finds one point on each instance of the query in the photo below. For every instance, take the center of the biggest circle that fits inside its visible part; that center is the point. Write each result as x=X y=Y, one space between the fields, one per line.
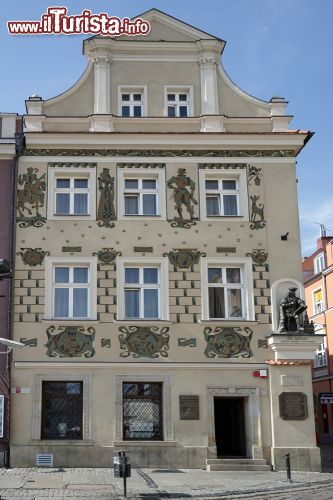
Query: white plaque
x=291 y=380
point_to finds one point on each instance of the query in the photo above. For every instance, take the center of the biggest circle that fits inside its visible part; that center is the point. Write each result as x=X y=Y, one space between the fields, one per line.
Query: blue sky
x=274 y=47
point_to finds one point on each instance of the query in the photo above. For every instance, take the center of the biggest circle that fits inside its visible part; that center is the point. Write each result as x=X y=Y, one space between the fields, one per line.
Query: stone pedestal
x=292 y=414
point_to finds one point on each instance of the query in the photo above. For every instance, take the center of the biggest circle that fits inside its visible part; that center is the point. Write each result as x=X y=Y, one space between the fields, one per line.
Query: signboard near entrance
x=189 y=407
x=326 y=398
x=293 y=405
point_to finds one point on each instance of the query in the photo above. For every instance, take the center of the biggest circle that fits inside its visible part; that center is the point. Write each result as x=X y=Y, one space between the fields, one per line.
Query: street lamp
x=10 y=344
x=5 y=270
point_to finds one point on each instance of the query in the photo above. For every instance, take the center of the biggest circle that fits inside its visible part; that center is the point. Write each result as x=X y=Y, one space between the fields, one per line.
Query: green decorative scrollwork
x=70 y=342
x=32 y=256
x=106 y=255
x=144 y=341
x=184 y=259
x=182 y=342
x=229 y=153
x=258 y=255
x=228 y=342
x=257 y=213
x=254 y=174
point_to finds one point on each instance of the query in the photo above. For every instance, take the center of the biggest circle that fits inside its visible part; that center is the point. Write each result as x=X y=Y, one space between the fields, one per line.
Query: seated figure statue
x=292 y=317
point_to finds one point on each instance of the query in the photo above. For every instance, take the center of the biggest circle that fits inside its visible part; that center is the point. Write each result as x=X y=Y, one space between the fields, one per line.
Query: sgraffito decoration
x=32 y=256
x=106 y=212
x=70 y=342
x=258 y=255
x=106 y=343
x=184 y=259
x=228 y=342
x=29 y=342
x=254 y=174
x=183 y=197
x=225 y=153
x=144 y=341
x=262 y=344
x=30 y=198
x=182 y=342
x=257 y=213
x=106 y=255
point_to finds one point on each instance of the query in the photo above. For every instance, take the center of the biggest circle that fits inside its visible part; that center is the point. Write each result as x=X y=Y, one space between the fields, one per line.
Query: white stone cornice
x=294 y=347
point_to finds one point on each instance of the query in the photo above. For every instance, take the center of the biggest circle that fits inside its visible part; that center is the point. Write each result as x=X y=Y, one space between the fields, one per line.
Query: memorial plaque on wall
x=189 y=407
x=293 y=405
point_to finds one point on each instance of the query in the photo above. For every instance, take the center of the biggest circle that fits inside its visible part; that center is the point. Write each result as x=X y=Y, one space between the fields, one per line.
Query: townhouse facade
x=154 y=198
x=10 y=125
x=318 y=284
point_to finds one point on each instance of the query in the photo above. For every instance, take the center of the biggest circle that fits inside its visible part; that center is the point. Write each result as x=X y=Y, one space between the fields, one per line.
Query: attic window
x=178 y=102
x=132 y=102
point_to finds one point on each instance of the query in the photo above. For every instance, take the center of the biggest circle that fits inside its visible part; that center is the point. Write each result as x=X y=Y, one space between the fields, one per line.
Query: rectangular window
x=141 y=193
x=222 y=197
x=142 y=411
x=223 y=194
x=72 y=196
x=321 y=356
x=132 y=101
x=319 y=263
x=71 y=288
x=227 y=289
x=71 y=193
x=2 y=415
x=142 y=288
x=62 y=410
x=178 y=101
x=140 y=196
x=318 y=301
x=142 y=292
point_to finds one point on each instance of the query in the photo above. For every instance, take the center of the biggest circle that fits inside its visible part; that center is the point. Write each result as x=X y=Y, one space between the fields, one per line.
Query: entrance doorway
x=229 y=414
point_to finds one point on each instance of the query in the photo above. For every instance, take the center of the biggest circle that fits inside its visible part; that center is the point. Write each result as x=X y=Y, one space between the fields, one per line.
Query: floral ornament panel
x=184 y=259
x=144 y=341
x=30 y=198
x=254 y=174
x=106 y=255
x=70 y=342
x=32 y=256
x=228 y=342
x=257 y=213
x=258 y=255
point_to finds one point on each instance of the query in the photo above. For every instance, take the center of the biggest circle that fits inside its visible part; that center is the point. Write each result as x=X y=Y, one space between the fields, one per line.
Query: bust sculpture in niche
x=293 y=317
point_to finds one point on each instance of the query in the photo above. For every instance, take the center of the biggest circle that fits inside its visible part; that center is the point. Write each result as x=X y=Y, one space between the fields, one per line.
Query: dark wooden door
x=230 y=427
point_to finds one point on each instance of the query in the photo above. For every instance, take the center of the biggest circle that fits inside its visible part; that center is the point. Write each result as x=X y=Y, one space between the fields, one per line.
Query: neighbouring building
x=156 y=235
x=318 y=284
x=10 y=125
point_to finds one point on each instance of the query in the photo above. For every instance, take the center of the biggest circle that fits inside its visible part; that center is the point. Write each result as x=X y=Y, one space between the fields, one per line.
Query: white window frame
x=319 y=263
x=247 y=297
x=2 y=415
x=320 y=360
x=179 y=89
x=65 y=173
x=132 y=89
x=140 y=173
x=91 y=263
x=315 y=303
x=212 y=174
x=162 y=264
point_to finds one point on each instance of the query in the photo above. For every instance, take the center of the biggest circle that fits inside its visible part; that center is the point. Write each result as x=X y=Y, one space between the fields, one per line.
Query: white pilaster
x=208 y=77
x=102 y=83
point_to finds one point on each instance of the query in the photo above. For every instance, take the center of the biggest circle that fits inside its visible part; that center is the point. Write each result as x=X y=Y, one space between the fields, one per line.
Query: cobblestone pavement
x=154 y=484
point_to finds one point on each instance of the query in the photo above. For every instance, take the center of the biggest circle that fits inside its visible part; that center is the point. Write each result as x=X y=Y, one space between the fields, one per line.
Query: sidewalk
x=60 y=484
